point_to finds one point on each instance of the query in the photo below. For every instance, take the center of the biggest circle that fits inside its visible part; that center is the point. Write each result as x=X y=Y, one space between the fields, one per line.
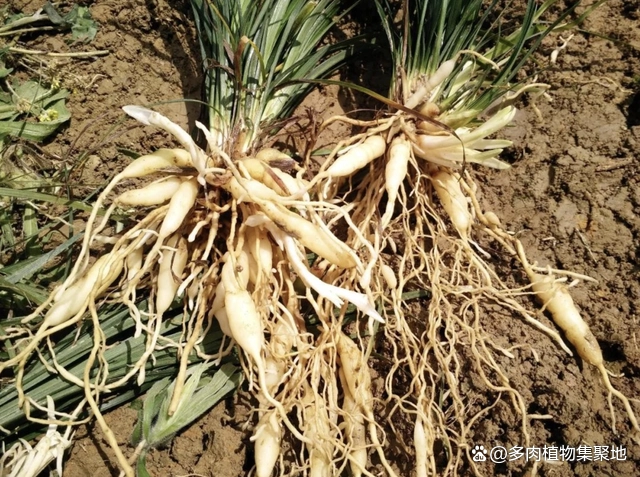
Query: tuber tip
x=138 y=113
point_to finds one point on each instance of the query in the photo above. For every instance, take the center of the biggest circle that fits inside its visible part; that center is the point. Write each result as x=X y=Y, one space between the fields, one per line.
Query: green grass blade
x=32 y=293
x=72 y=351
x=25 y=269
x=199 y=394
x=40 y=196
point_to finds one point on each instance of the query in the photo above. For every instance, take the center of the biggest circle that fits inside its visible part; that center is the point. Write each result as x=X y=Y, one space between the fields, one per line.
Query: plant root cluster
x=251 y=245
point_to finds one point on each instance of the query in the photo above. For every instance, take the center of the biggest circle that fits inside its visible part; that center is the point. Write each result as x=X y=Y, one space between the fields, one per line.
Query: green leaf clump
x=78 y=20
x=201 y=392
x=31 y=111
x=260 y=57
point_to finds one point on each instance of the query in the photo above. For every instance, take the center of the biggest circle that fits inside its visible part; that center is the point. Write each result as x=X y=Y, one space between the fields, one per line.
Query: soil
x=572 y=196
